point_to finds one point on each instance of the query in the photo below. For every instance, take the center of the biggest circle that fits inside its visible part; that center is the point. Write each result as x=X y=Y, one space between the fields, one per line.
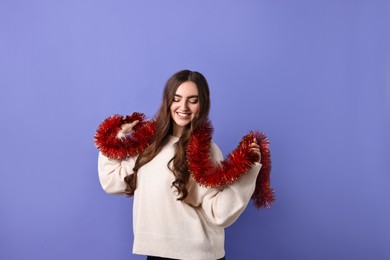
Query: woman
x=184 y=193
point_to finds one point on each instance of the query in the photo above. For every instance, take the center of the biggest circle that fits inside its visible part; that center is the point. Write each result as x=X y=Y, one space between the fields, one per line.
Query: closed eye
x=193 y=100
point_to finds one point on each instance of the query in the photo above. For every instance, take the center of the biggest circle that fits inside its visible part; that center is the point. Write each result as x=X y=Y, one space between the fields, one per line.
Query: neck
x=177 y=130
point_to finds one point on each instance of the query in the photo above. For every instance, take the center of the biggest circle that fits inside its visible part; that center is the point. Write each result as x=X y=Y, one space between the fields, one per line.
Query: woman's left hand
x=255 y=148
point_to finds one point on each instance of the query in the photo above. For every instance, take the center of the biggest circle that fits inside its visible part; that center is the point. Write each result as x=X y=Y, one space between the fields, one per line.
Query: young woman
x=185 y=193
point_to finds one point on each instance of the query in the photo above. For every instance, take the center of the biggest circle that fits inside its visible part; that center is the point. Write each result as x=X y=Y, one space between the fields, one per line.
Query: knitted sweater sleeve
x=222 y=206
x=112 y=173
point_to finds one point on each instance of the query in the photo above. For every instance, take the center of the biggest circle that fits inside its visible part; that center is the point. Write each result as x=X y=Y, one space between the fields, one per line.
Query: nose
x=184 y=105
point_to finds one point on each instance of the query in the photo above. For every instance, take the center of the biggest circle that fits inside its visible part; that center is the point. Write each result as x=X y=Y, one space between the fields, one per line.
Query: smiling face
x=185 y=106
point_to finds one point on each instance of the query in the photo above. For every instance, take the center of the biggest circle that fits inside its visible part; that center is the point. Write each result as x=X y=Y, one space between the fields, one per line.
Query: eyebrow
x=193 y=96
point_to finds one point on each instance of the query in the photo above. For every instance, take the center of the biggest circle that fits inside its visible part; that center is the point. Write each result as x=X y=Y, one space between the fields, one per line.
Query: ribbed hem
x=178 y=248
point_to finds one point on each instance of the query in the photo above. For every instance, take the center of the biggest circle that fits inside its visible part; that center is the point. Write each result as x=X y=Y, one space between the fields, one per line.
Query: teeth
x=183 y=114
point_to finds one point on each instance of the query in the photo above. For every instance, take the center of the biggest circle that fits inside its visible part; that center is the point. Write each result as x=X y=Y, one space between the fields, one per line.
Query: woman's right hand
x=255 y=148
x=126 y=129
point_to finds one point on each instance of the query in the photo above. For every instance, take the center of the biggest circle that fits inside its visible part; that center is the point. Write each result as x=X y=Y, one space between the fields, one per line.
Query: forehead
x=187 y=88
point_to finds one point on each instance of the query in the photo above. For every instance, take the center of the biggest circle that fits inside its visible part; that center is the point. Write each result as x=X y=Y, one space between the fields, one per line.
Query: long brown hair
x=165 y=128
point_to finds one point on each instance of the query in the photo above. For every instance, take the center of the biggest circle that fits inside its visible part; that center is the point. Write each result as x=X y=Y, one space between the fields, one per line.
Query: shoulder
x=216 y=152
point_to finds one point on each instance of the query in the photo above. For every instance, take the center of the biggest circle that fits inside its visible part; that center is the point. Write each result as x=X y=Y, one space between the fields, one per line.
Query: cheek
x=196 y=109
x=173 y=108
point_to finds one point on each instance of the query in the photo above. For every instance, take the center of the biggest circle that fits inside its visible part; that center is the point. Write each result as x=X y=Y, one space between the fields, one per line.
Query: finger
x=258 y=154
x=132 y=124
x=255 y=150
x=125 y=127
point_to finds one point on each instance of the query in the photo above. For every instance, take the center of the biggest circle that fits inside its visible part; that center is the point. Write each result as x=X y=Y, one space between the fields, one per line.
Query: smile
x=183 y=115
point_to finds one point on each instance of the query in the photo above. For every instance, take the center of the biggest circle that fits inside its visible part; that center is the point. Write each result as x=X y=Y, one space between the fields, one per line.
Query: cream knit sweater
x=166 y=227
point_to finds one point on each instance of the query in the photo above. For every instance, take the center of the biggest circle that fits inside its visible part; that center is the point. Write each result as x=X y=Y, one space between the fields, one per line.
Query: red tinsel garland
x=237 y=163
x=203 y=170
x=106 y=136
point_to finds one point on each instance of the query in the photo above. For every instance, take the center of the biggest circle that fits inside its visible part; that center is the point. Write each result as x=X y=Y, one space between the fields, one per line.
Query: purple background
x=313 y=75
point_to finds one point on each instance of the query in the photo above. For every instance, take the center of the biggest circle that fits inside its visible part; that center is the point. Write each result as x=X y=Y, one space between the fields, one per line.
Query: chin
x=181 y=123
